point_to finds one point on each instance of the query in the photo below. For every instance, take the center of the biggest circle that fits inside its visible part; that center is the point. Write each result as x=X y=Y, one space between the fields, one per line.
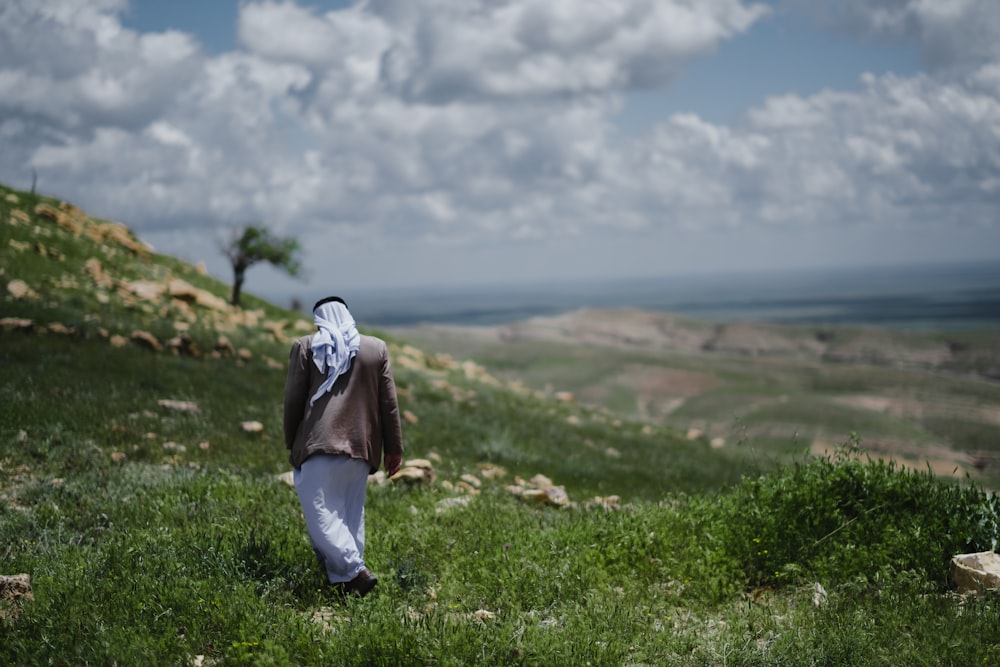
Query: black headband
x=328 y=300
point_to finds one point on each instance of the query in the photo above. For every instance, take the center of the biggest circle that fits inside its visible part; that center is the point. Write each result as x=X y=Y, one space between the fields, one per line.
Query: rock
x=540 y=489
x=541 y=482
x=118 y=341
x=184 y=345
x=467 y=488
x=976 y=572
x=411 y=476
x=483 y=615
x=15 y=590
x=19 y=215
x=96 y=272
x=18 y=246
x=717 y=443
x=610 y=503
x=17 y=324
x=144 y=289
x=174 y=447
x=11 y=198
x=223 y=347
x=182 y=406
x=146 y=340
x=252 y=427
x=446 y=504
x=20 y=290
x=245 y=354
x=180 y=289
x=288 y=478
x=490 y=471
x=415 y=471
x=693 y=434
x=61 y=329
x=471 y=479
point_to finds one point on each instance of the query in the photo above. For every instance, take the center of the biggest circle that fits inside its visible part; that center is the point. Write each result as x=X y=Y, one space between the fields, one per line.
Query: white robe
x=331 y=489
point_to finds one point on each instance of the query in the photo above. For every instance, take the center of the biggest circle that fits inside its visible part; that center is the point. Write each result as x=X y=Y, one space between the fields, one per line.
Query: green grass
x=144 y=554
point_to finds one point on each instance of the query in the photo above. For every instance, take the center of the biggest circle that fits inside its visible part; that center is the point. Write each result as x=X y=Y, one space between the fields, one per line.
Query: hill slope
x=140 y=462
x=919 y=398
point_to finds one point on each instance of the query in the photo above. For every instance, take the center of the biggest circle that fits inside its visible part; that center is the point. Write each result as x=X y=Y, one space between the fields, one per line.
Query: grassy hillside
x=156 y=529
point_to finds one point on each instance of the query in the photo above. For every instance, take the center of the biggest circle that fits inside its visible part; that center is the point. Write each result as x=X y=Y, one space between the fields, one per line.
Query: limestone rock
x=252 y=427
x=471 y=479
x=62 y=329
x=15 y=590
x=16 y=324
x=415 y=471
x=146 y=340
x=540 y=489
x=19 y=290
x=144 y=289
x=223 y=347
x=976 y=572
x=182 y=406
x=453 y=502
x=184 y=345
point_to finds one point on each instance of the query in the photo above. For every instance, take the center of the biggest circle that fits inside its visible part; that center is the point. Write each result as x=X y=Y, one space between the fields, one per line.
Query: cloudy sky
x=425 y=142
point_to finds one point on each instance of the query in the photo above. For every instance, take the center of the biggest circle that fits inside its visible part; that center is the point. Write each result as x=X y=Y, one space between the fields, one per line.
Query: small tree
x=253 y=244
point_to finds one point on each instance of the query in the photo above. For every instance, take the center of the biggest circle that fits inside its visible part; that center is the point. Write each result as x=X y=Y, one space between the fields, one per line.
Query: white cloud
x=463 y=124
x=948 y=32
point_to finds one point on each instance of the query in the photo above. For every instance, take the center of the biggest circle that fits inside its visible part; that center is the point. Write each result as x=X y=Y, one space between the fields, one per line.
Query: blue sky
x=443 y=142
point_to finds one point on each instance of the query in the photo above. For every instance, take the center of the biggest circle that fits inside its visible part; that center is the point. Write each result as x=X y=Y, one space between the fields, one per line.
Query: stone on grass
x=976 y=572
x=146 y=340
x=16 y=324
x=411 y=475
x=15 y=590
x=471 y=479
x=454 y=502
x=252 y=427
x=19 y=289
x=182 y=406
x=223 y=347
x=146 y=290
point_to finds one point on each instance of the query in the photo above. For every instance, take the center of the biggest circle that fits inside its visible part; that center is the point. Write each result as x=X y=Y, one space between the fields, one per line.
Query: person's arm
x=296 y=390
x=392 y=432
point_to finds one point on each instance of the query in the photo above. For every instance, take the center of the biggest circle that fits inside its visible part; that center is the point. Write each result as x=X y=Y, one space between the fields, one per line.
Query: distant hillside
x=920 y=398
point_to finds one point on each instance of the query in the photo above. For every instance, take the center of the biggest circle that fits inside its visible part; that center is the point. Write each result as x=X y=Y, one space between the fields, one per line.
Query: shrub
x=846 y=516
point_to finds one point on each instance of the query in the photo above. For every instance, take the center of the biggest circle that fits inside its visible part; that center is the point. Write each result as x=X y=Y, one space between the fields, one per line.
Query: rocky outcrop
x=15 y=590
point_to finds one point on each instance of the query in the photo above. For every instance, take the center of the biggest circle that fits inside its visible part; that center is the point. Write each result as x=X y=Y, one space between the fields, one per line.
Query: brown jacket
x=358 y=417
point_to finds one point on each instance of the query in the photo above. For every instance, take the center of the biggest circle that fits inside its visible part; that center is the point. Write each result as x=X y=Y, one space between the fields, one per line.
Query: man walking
x=341 y=417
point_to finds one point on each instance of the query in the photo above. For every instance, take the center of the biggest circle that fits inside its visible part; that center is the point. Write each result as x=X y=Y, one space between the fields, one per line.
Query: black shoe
x=362 y=584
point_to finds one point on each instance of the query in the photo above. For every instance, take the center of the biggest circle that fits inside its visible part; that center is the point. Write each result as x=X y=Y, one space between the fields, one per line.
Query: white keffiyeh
x=335 y=344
